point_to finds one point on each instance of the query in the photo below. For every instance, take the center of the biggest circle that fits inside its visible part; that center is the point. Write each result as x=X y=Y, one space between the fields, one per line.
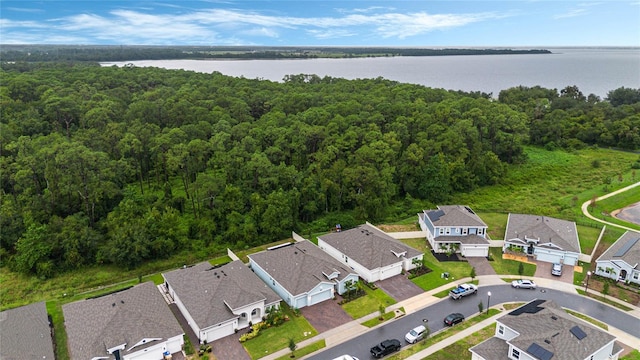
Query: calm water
x=593 y=70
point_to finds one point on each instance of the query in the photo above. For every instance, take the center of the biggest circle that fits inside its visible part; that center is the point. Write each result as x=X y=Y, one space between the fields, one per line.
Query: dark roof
x=125 y=317
x=545 y=328
x=561 y=233
x=300 y=266
x=369 y=246
x=626 y=248
x=492 y=348
x=209 y=293
x=25 y=333
x=454 y=215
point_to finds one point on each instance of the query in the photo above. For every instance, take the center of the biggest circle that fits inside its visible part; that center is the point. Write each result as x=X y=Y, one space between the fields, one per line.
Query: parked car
x=346 y=357
x=416 y=334
x=556 y=269
x=385 y=348
x=463 y=290
x=453 y=318
x=523 y=284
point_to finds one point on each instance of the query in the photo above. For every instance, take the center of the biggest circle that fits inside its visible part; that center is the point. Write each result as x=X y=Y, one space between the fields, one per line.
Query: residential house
x=369 y=251
x=542 y=237
x=301 y=273
x=25 y=333
x=620 y=261
x=542 y=330
x=455 y=228
x=216 y=301
x=133 y=324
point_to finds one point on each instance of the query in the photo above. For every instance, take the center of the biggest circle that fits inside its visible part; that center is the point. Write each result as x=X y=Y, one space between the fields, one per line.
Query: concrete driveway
x=482 y=265
x=399 y=287
x=325 y=315
x=543 y=270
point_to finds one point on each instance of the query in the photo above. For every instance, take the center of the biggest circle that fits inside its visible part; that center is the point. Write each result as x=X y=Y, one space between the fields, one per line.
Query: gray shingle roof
x=493 y=348
x=550 y=328
x=300 y=267
x=454 y=215
x=208 y=293
x=631 y=255
x=369 y=246
x=561 y=233
x=125 y=317
x=25 y=333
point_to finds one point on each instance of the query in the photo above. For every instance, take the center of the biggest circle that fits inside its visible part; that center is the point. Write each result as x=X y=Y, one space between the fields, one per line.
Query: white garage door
x=151 y=353
x=570 y=260
x=320 y=296
x=390 y=272
x=470 y=251
x=219 y=332
x=552 y=258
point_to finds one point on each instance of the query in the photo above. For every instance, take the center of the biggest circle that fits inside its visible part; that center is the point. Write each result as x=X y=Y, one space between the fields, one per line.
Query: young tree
x=472 y=274
x=520 y=269
x=292 y=346
x=383 y=310
x=480 y=307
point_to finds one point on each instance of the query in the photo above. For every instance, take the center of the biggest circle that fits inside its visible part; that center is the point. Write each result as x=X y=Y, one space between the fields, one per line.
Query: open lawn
x=508 y=267
x=275 y=338
x=432 y=280
x=460 y=349
x=496 y=223
x=367 y=304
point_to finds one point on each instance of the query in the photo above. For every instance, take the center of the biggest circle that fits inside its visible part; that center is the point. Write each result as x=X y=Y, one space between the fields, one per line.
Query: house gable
x=623 y=257
x=542 y=231
x=453 y=224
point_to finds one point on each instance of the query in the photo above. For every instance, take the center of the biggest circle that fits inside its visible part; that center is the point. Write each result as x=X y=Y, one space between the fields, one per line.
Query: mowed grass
x=509 y=267
x=276 y=338
x=368 y=304
x=305 y=350
x=460 y=349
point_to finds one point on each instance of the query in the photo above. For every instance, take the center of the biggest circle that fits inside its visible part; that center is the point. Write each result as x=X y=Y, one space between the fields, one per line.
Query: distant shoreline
x=108 y=53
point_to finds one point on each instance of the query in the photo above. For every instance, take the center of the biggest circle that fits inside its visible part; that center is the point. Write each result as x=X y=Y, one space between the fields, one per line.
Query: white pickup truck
x=463 y=290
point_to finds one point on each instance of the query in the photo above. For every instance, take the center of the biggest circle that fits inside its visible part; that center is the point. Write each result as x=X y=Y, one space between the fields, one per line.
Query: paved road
x=585 y=206
x=468 y=306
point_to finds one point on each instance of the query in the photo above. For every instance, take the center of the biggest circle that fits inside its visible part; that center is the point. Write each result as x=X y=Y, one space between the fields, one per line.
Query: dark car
x=453 y=319
x=385 y=348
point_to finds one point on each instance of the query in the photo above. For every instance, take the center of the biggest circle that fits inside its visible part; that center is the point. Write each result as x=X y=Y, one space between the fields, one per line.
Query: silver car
x=556 y=269
x=416 y=334
x=523 y=284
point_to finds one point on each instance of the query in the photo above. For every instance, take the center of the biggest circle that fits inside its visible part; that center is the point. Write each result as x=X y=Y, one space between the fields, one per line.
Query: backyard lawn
x=508 y=267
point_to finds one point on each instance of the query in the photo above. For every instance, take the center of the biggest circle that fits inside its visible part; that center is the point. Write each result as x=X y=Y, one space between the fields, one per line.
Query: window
x=448 y=231
x=515 y=354
x=254 y=312
x=636 y=276
x=501 y=330
x=440 y=231
x=465 y=231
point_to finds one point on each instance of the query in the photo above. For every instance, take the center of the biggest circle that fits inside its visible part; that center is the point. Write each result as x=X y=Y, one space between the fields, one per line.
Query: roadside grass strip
x=305 y=350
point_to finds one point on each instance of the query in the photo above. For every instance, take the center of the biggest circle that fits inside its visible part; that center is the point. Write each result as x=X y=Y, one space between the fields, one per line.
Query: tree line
x=122 y=165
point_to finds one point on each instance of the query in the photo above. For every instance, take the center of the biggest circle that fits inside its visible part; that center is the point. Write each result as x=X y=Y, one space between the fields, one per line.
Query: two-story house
x=455 y=229
x=542 y=330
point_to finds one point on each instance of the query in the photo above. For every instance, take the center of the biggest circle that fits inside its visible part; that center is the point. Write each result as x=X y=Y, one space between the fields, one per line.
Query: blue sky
x=452 y=23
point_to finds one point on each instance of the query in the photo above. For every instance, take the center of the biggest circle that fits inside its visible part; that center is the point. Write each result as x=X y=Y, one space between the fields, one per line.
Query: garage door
x=152 y=353
x=552 y=258
x=479 y=251
x=570 y=260
x=320 y=296
x=219 y=332
x=387 y=273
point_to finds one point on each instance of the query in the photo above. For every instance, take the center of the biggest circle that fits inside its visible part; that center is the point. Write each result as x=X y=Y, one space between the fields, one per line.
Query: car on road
x=346 y=357
x=556 y=269
x=385 y=348
x=463 y=290
x=523 y=284
x=453 y=318
x=416 y=334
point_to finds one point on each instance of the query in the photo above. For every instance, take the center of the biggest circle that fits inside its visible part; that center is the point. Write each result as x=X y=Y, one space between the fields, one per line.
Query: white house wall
x=183 y=310
x=156 y=352
x=273 y=284
x=341 y=284
x=604 y=352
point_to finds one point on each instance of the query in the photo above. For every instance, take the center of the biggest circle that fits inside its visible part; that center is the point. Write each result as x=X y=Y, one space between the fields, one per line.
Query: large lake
x=594 y=70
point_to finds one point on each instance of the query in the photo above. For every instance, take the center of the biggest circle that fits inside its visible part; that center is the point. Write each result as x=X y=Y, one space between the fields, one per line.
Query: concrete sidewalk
x=355 y=328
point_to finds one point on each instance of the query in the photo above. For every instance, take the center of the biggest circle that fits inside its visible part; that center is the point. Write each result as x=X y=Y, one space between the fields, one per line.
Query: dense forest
x=121 y=165
x=130 y=53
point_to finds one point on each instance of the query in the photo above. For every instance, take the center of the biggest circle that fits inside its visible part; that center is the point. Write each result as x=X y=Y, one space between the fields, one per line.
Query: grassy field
x=508 y=267
x=276 y=338
x=367 y=304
